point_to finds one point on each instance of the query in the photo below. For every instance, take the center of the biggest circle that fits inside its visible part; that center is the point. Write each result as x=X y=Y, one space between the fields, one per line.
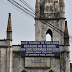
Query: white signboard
x=37 y=62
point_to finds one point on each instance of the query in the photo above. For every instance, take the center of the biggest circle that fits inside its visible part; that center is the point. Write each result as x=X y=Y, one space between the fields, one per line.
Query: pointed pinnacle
x=9 y=27
x=66 y=29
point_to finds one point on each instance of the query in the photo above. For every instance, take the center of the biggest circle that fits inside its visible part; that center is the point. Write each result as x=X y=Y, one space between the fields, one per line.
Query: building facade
x=49 y=19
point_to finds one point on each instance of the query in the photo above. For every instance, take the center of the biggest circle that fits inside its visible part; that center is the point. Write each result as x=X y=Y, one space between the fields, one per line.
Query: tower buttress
x=9 y=28
x=37 y=9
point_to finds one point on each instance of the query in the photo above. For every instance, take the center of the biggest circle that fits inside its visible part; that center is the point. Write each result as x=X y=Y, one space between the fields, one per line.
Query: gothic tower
x=50 y=19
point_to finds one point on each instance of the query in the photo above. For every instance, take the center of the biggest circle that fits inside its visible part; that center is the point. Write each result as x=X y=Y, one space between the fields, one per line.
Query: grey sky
x=23 y=25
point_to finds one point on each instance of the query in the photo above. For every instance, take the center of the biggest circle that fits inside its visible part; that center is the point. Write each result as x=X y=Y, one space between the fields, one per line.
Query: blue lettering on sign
x=40 y=48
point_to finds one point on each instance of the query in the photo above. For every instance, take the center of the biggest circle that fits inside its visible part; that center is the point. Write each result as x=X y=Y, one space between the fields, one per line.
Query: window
x=23 y=71
x=49 y=35
x=51 y=71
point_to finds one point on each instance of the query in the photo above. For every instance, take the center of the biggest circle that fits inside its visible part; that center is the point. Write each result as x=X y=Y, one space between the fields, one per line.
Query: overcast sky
x=23 y=25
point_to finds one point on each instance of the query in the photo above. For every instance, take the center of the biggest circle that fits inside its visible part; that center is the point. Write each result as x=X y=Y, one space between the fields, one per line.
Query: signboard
x=40 y=48
x=37 y=62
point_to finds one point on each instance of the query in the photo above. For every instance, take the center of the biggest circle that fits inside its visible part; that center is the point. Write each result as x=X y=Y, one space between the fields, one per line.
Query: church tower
x=50 y=19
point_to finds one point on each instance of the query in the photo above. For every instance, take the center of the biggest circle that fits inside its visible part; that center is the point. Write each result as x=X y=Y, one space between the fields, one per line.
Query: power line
x=23 y=7
x=25 y=3
x=11 y=6
x=50 y=23
x=33 y=17
x=52 y=26
x=18 y=6
x=45 y=23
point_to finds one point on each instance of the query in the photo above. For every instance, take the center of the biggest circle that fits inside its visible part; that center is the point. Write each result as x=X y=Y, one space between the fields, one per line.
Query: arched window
x=23 y=71
x=51 y=71
x=49 y=35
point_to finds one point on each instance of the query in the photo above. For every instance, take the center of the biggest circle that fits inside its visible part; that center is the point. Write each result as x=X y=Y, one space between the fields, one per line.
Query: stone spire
x=66 y=35
x=66 y=29
x=37 y=9
x=9 y=28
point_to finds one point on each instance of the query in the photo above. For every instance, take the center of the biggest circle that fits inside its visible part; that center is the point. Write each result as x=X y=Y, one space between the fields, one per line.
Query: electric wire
x=12 y=7
x=33 y=16
x=51 y=24
x=17 y=5
x=41 y=21
x=25 y=3
x=23 y=7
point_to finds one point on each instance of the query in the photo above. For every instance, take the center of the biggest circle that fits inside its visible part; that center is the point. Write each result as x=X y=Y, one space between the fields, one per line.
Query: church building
x=49 y=19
